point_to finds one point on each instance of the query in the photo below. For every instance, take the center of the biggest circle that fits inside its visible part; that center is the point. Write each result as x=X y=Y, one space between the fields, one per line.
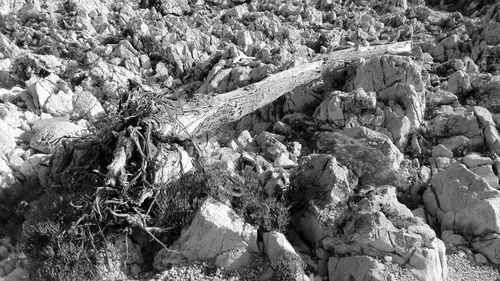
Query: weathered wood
x=206 y=114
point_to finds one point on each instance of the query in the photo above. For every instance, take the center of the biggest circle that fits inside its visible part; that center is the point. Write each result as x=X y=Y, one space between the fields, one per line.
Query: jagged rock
x=86 y=106
x=379 y=73
x=459 y=82
x=175 y=7
x=380 y=226
x=18 y=274
x=441 y=151
x=237 y=11
x=453 y=122
x=474 y=159
x=7 y=137
x=491 y=134
x=441 y=97
x=492 y=33
x=322 y=176
x=336 y=103
x=36 y=166
x=301 y=99
x=472 y=206
x=356 y=268
x=487 y=92
x=8 y=49
x=50 y=135
x=59 y=104
x=488 y=245
x=6 y=174
x=173 y=162
x=277 y=246
x=370 y=155
x=413 y=101
x=486 y=172
x=215 y=230
x=271 y=146
x=42 y=89
x=451 y=238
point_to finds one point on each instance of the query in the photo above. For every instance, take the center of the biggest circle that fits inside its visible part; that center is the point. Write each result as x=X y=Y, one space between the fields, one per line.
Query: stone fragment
x=322 y=176
x=473 y=206
x=491 y=33
x=475 y=159
x=87 y=106
x=370 y=155
x=459 y=83
x=215 y=230
x=379 y=73
x=50 y=135
x=356 y=268
x=488 y=245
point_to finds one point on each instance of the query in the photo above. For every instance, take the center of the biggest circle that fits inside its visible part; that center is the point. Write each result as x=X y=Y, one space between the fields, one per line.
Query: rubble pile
x=377 y=168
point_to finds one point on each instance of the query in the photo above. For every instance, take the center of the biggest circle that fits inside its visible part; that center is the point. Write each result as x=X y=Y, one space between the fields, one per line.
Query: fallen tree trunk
x=210 y=114
x=207 y=114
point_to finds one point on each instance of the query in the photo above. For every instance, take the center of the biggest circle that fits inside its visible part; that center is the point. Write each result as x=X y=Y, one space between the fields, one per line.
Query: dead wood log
x=207 y=114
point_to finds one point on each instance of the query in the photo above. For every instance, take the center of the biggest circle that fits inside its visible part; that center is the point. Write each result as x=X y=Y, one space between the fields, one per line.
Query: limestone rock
x=474 y=159
x=172 y=163
x=413 y=101
x=370 y=155
x=459 y=82
x=321 y=175
x=453 y=122
x=473 y=206
x=376 y=227
x=18 y=274
x=333 y=107
x=8 y=48
x=492 y=33
x=50 y=135
x=87 y=106
x=356 y=268
x=379 y=73
x=488 y=245
x=441 y=97
x=215 y=229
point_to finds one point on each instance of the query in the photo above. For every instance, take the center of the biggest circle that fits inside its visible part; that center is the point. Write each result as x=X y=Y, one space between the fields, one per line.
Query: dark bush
x=179 y=200
x=288 y=267
x=56 y=250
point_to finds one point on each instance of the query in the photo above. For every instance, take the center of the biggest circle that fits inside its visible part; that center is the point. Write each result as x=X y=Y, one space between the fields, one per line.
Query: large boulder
x=379 y=226
x=488 y=245
x=464 y=202
x=450 y=121
x=323 y=179
x=372 y=156
x=215 y=230
x=356 y=268
x=413 y=101
x=492 y=33
x=337 y=103
x=50 y=135
x=379 y=73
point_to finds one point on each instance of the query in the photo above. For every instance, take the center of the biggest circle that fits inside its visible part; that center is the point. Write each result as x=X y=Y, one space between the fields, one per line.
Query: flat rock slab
x=50 y=135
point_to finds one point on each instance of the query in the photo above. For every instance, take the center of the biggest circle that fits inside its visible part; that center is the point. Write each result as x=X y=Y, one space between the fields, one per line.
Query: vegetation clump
x=288 y=266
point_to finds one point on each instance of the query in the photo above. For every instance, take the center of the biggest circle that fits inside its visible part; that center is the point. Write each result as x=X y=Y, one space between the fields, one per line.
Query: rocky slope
x=380 y=167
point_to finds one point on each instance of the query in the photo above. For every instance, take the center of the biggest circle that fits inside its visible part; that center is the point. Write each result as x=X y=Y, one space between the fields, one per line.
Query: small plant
x=288 y=267
x=56 y=251
x=179 y=200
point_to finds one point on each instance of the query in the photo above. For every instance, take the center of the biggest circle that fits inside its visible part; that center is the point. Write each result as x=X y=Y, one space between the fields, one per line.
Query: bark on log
x=207 y=114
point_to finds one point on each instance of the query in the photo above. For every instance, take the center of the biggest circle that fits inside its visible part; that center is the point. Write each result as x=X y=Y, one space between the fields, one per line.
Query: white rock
x=215 y=229
x=87 y=106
